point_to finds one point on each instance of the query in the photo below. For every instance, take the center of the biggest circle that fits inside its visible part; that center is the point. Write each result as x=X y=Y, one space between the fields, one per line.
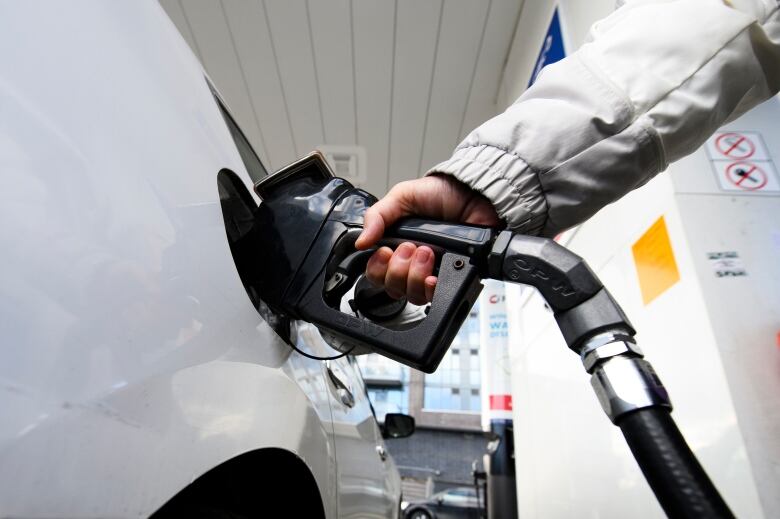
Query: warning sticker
x=726 y=264
x=737 y=146
x=742 y=164
x=656 y=267
x=747 y=176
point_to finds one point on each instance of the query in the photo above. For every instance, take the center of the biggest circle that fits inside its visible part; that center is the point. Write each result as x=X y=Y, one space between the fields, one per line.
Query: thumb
x=373 y=228
x=381 y=215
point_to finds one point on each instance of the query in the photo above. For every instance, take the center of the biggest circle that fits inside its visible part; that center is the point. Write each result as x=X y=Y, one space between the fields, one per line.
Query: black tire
x=419 y=513
x=214 y=513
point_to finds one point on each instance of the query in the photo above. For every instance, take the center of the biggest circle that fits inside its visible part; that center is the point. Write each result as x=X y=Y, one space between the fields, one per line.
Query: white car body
x=132 y=360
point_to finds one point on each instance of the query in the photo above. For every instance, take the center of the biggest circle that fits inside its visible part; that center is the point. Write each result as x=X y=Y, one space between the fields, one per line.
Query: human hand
x=408 y=270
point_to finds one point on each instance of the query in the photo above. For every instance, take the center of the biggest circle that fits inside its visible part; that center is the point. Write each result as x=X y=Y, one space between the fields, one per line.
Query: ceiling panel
x=462 y=28
x=374 y=30
x=291 y=38
x=331 y=26
x=499 y=31
x=214 y=40
x=417 y=31
x=405 y=79
x=248 y=23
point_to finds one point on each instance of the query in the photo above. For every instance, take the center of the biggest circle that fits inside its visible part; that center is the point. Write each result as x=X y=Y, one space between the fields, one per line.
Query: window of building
x=451 y=387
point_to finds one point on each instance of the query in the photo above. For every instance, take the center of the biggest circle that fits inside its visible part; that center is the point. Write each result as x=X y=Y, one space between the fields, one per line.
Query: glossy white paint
x=131 y=359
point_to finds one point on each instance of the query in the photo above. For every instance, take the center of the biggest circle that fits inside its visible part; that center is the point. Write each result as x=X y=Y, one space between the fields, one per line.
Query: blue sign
x=552 y=48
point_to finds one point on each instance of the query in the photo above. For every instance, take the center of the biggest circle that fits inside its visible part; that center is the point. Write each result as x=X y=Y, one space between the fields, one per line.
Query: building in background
x=455 y=386
x=446 y=406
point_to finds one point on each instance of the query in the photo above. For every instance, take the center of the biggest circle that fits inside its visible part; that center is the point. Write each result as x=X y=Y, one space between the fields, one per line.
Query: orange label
x=655 y=264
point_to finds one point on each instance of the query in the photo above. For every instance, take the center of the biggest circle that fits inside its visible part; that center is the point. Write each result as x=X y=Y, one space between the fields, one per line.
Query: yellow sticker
x=655 y=264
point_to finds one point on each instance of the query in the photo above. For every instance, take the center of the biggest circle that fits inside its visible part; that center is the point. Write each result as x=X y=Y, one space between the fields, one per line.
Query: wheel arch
x=252 y=484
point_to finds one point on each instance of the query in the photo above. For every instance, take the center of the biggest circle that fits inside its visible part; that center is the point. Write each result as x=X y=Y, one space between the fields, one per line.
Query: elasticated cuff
x=503 y=178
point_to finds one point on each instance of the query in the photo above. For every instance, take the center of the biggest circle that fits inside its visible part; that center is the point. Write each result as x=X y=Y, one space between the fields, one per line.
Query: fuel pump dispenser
x=305 y=230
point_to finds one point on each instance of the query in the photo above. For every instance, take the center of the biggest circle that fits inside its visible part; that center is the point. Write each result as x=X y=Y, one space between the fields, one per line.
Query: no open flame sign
x=746 y=175
x=742 y=164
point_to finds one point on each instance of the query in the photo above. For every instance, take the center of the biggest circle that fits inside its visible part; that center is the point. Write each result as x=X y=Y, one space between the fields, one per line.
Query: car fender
x=161 y=433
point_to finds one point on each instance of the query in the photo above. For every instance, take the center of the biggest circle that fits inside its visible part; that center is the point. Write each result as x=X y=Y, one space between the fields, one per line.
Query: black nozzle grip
x=468 y=240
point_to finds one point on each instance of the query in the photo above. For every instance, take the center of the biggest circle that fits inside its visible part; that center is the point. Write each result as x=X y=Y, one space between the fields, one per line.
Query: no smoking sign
x=741 y=163
x=737 y=146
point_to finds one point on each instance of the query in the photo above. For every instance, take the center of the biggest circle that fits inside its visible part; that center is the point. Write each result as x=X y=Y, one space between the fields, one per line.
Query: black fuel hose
x=627 y=386
x=678 y=480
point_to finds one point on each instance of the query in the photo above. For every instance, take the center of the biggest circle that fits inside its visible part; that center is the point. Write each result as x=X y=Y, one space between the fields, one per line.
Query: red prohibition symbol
x=735 y=146
x=746 y=176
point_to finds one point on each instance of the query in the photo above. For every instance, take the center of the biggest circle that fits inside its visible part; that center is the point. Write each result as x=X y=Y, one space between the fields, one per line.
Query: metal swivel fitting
x=622 y=379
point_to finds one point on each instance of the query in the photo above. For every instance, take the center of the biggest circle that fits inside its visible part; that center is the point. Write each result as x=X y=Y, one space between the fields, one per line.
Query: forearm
x=655 y=80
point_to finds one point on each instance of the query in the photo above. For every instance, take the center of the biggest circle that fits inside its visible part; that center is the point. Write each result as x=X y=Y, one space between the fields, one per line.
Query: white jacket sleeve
x=656 y=79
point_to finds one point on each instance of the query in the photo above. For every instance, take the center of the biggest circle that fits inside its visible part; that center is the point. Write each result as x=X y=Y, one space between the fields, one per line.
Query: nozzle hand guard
x=307 y=225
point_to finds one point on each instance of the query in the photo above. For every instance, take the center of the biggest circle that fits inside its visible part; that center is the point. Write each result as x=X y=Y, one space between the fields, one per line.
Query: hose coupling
x=622 y=379
x=607 y=345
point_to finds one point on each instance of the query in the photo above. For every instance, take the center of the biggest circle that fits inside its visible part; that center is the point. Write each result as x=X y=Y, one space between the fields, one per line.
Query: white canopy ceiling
x=405 y=79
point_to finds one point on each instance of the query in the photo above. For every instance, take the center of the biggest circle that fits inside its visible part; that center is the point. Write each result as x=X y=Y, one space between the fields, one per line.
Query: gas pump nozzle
x=305 y=230
x=308 y=222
